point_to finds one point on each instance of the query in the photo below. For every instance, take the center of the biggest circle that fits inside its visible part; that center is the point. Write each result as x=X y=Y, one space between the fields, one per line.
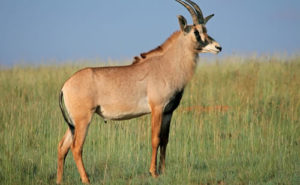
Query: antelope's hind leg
x=81 y=127
x=63 y=149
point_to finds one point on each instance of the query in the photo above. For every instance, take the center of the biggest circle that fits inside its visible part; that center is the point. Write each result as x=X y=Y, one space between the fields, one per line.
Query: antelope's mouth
x=210 y=49
x=214 y=51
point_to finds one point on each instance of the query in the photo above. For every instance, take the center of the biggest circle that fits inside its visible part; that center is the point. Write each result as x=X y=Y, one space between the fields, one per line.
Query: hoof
x=154 y=174
x=58 y=181
x=161 y=170
x=85 y=181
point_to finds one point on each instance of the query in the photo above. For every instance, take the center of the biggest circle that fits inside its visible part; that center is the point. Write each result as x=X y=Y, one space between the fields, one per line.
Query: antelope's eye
x=197 y=35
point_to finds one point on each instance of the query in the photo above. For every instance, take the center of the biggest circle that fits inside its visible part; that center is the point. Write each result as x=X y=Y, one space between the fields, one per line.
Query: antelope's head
x=202 y=42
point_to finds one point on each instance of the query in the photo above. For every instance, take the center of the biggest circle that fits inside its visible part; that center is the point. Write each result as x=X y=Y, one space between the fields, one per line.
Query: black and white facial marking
x=201 y=42
x=205 y=43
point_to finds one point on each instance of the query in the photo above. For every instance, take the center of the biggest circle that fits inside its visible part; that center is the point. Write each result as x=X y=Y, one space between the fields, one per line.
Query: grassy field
x=238 y=123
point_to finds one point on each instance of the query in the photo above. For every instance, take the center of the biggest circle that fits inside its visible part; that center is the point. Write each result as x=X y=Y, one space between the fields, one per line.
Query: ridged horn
x=198 y=11
x=191 y=10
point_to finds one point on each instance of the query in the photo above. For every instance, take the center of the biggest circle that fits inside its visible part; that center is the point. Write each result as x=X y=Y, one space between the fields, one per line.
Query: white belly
x=125 y=110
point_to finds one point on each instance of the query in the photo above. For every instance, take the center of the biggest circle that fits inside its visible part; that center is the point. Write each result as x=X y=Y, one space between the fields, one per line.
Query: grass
x=255 y=140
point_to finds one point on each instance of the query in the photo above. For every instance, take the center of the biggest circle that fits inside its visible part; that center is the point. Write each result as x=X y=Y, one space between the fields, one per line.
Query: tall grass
x=256 y=140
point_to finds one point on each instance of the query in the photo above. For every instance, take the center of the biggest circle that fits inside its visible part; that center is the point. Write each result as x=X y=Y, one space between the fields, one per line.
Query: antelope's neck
x=183 y=61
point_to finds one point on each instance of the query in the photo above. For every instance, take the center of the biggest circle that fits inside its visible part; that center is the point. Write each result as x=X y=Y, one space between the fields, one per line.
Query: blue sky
x=34 y=30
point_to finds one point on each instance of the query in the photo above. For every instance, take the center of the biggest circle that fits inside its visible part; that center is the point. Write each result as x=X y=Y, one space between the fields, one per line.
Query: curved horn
x=198 y=10
x=191 y=10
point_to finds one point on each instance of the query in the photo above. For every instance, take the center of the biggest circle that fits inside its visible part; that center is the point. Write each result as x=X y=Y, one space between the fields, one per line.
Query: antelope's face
x=203 y=42
x=197 y=33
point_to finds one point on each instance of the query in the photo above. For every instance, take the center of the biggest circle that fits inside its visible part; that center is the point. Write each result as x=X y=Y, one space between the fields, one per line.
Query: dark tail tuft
x=70 y=124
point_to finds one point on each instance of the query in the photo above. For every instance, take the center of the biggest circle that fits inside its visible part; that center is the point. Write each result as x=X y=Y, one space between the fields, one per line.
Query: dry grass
x=238 y=123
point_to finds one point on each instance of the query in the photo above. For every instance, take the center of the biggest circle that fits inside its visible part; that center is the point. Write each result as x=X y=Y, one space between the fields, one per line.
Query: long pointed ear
x=207 y=18
x=182 y=23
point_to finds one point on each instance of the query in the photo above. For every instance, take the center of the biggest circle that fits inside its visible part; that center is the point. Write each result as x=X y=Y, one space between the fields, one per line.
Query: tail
x=69 y=122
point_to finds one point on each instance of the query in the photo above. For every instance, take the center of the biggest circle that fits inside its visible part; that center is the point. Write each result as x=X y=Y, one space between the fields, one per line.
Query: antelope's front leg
x=156 y=120
x=164 y=138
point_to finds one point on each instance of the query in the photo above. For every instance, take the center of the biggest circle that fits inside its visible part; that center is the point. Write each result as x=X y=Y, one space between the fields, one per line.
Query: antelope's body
x=154 y=84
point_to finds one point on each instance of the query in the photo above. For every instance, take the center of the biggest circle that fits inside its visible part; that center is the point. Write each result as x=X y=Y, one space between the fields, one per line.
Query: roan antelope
x=154 y=84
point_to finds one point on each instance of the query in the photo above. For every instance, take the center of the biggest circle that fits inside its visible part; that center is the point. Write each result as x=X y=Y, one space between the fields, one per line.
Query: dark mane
x=136 y=60
x=158 y=50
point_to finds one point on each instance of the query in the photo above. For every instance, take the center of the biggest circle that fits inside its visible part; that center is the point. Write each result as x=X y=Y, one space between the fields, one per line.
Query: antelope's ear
x=182 y=23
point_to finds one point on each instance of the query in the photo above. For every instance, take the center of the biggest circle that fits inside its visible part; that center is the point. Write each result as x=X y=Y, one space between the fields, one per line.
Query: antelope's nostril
x=219 y=48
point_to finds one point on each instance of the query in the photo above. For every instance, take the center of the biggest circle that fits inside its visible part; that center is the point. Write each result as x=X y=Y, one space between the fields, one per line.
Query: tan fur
x=125 y=92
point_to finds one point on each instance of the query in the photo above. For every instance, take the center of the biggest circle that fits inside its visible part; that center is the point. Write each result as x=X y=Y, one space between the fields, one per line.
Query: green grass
x=256 y=141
